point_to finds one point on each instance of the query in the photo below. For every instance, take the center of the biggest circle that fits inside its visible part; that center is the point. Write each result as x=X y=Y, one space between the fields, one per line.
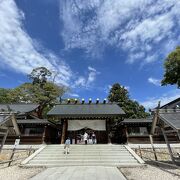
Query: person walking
x=93 y=138
x=85 y=137
x=67 y=146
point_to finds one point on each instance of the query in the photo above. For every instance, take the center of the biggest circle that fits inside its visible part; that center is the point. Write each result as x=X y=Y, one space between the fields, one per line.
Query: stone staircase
x=84 y=155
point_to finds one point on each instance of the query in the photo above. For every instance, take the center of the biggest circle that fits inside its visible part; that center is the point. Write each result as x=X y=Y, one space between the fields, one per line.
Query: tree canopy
x=41 y=92
x=39 y=75
x=172 y=69
x=132 y=108
x=4 y=95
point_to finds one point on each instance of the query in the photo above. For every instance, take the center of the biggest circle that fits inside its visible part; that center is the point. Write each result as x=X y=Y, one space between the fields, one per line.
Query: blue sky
x=90 y=45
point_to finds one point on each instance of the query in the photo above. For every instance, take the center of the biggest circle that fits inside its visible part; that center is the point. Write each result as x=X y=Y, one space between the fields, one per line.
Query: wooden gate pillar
x=64 y=131
x=108 y=130
x=126 y=133
x=44 y=134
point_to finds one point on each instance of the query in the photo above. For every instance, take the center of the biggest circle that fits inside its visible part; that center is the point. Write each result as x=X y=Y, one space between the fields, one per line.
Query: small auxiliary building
x=31 y=129
x=76 y=118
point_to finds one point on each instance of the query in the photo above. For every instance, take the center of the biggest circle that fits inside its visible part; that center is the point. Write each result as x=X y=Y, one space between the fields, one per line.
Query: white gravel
x=18 y=173
x=151 y=173
x=14 y=172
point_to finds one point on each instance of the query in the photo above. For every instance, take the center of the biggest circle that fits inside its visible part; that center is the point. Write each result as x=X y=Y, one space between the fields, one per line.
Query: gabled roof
x=172 y=104
x=18 y=108
x=86 y=110
x=171 y=118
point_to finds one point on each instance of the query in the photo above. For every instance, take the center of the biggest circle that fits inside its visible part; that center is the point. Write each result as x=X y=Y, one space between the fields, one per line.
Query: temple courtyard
x=149 y=170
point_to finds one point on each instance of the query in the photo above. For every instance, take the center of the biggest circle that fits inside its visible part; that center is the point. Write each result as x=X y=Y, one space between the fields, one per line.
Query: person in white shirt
x=85 y=137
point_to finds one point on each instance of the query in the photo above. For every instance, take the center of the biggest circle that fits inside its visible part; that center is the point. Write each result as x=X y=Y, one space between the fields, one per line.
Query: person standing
x=85 y=137
x=93 y=138
x=67 y=146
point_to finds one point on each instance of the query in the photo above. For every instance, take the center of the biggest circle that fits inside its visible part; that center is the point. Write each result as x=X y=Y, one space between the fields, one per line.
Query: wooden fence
x=155 y=153
x=15 y=151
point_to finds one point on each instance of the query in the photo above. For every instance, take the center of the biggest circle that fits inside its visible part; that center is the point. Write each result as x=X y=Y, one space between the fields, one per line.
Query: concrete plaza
x=80 y=173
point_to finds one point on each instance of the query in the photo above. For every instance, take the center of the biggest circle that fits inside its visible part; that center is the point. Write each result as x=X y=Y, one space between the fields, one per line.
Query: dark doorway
x=77 y=136
x=119 y=135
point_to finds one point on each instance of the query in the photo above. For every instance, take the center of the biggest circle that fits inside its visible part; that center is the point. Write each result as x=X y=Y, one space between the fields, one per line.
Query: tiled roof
x=171 y=118
x=18 y=108
x=86 y=110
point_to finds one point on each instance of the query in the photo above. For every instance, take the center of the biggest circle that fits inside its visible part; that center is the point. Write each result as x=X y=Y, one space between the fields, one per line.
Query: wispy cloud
x=85 y=82
x=137 y=27
x=107 y=89
x=20 y=52
x=73 y=95
x=154 y=81
x=165 y=98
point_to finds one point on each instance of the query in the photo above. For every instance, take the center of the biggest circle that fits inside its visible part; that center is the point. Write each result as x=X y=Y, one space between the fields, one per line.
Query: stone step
x=85 y=149
x=85 y=164
x=91 y=146
x=88 y=155
x=77 y=153
x=81 y=155
x=81 y=161
x=84 y=153
x=87 y=146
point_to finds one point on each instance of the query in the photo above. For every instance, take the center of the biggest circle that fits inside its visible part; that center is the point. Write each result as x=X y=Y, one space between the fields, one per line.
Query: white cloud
x=165 y=98
x=81 y=81
x=86 y=82
x=19 y=52
x=73 y=95
x=127 y=88
x=154 y=81
x=91 y=69
x=144 y=28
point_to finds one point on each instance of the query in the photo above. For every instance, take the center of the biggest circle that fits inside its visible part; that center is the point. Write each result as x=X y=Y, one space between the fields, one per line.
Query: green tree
x=132 y=108
x=33 y=93
x=40 y=91
x=39 y=75
x=172 y=69
x=4 y=95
